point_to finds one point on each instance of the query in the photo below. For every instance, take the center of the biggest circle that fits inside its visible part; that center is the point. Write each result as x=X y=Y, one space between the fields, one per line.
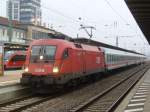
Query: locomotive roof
x=96 y=43
x=65 y=43
x=43 y=41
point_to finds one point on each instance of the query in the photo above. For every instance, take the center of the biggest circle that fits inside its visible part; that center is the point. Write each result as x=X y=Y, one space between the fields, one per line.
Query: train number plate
x=39 y=70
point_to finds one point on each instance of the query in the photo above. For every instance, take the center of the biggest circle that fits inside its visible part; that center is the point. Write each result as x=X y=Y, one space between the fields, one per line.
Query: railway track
x=71 y=100
x=22 y=103
x=13 y=91
x=110 y=98
x=67 y=102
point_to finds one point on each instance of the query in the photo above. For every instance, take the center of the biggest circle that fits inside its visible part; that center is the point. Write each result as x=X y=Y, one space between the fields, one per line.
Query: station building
x=37 y=32
x=15 y=31
x=15 y=35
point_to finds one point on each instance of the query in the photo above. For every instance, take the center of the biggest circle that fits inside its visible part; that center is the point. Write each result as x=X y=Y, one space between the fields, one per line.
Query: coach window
x=111 y=59
x=119 y=58
x=115 y=58
x=107 y=58
x=65 y=54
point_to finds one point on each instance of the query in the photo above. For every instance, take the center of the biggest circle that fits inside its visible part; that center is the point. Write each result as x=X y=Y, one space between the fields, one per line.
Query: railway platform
x=10 y=77
x=138 y=99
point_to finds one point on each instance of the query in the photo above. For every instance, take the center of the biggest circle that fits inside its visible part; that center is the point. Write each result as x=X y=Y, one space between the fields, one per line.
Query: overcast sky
x=63 y=15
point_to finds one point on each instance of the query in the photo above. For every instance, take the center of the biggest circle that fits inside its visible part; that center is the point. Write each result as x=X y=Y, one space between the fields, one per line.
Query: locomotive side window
x=65 y=54
x=78 y=45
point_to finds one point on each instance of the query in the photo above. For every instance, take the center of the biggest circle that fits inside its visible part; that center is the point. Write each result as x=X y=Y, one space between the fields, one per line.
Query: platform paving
x=10 y=77
x=138 y=100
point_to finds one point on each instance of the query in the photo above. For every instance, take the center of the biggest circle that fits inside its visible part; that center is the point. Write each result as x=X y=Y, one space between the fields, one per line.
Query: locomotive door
x=84 y=61
x=77 y=61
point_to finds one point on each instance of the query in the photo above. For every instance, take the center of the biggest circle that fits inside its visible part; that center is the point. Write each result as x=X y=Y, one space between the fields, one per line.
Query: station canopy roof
x=141 y=12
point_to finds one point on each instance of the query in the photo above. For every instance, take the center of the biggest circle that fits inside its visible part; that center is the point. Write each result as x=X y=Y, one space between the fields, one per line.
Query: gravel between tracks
x=65 y=102
x=108 y=101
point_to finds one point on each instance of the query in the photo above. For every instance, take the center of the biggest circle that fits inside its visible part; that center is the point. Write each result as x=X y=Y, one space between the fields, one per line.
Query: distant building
x=13 y=9
x=30 y=11
x=17 y=32
x=26 y=11
x=22 y=33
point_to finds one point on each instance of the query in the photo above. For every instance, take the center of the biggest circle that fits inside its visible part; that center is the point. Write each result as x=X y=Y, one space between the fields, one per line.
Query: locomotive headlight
x=26 y=69
x=55 y=70
x=41 y=57
x=6 y=60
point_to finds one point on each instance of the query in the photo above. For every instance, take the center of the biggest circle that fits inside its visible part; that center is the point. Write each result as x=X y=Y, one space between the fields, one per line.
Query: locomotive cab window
x=35 y=52
x=46 y=52
x=49 y=52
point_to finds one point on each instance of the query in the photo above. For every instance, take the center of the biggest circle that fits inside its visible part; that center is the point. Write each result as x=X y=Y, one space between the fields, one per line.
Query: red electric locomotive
x=55 y=61
x=14 y=59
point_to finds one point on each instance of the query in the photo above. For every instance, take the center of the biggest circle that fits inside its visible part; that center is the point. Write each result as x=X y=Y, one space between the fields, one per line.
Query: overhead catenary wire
x=65 y=16
x=115 y=11
x=60 y=13
x=76 y=20
x=123 y=19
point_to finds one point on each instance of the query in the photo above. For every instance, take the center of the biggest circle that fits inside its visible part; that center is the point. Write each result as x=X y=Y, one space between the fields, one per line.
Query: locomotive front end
x=42 y=65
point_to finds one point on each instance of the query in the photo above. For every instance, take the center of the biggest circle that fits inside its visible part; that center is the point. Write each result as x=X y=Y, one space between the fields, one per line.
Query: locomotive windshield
x=42 y=53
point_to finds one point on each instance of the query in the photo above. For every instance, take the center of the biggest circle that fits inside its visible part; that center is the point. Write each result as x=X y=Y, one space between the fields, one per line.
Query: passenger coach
x=120 y=58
